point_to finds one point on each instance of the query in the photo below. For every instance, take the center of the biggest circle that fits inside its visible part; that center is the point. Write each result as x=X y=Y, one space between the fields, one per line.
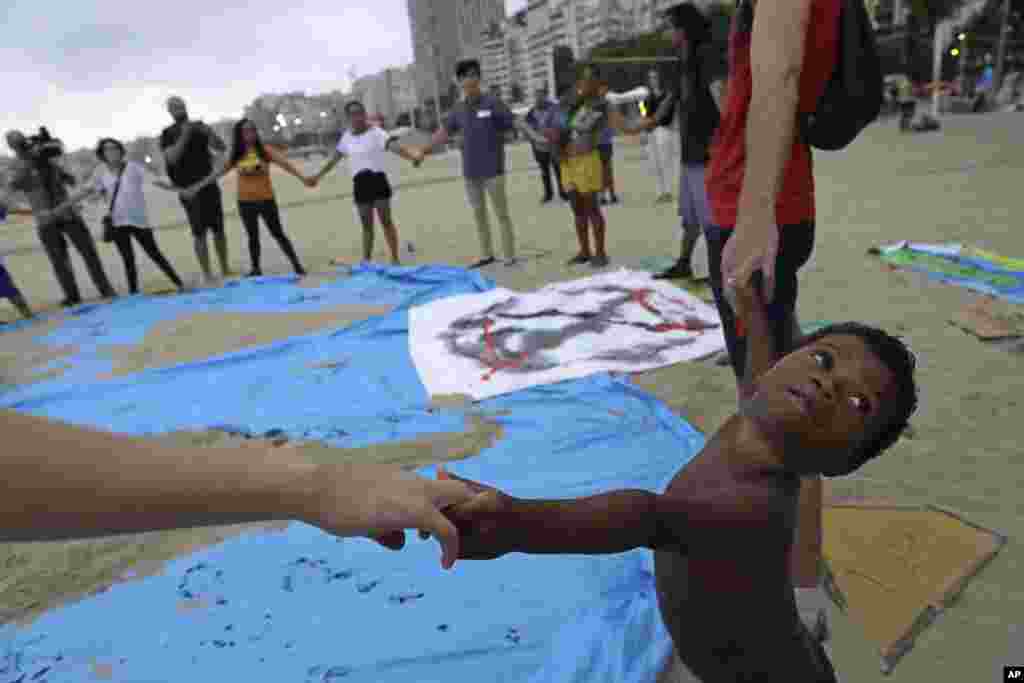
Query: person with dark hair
x=37 y=174
x=723 y=528
x=121 y=182
x=576 y=139
x=697 y=113
x=252 y=160
x=187 y=146
x=482 y=121
x=366 y=148
x=541 y=117
x=760 y=185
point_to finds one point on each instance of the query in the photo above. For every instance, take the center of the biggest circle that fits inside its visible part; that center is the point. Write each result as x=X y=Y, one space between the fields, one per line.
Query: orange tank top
x=254 y=183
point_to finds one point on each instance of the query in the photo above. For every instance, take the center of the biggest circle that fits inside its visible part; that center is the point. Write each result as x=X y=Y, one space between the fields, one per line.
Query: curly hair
x=902 y=363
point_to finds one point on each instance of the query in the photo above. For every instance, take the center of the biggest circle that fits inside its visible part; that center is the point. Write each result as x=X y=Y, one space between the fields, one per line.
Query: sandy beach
x=961 y=184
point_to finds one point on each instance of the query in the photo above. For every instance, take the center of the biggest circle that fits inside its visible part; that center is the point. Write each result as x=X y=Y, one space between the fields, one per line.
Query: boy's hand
x=482 y=521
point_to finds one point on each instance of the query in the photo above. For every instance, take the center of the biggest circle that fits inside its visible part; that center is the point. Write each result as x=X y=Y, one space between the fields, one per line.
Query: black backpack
x=854 y=93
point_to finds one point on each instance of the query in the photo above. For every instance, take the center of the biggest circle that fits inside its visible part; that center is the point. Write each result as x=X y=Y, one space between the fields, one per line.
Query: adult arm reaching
x=335 y=159
x=776 y=57
x=218 y=173
x=408 y=153
x=65 y=482
x=281 y=160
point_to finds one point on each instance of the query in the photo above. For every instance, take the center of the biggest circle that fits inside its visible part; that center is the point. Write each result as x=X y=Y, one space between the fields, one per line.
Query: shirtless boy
x=723 y=529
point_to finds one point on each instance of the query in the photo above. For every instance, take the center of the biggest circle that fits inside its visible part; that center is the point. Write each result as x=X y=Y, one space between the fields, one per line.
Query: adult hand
x=310 y=182
x=381 y=501
x=754 y=246
x=482 y=534
x=189 y=194
x=743 y=297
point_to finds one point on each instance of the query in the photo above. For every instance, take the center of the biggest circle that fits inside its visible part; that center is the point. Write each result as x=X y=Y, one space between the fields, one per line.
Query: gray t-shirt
x=483 y=124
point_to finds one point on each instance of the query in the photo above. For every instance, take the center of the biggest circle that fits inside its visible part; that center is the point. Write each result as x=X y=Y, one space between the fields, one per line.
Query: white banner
x=497 y=342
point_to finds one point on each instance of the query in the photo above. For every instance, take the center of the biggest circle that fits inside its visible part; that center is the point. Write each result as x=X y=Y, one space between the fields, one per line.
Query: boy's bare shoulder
x=715 y=496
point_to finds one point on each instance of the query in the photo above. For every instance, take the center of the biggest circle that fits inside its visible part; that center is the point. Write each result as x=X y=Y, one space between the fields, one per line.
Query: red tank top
x=795 y=201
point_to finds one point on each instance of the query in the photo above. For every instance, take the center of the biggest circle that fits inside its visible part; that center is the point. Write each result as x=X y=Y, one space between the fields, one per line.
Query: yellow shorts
x=583 y=173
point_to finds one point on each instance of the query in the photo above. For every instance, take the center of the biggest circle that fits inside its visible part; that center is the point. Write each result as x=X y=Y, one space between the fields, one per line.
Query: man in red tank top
x=760 y=186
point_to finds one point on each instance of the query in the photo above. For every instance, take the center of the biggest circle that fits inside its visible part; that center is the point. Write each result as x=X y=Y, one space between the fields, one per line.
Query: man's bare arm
x=776 y=57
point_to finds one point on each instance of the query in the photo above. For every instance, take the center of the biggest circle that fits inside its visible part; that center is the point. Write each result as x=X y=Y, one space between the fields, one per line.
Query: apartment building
x=444 y=31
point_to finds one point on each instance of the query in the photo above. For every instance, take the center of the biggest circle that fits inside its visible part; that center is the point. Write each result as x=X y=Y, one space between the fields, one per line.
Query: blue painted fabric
x=300 y=605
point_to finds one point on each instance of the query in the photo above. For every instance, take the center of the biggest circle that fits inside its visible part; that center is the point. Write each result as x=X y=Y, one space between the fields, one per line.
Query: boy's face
x=826 y=398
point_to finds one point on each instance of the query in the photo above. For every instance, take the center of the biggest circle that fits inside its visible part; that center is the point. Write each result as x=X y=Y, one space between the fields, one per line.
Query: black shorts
x=370 y=187
x=205 y=211
x=606 y=152
x=796 y=242
x=8 y=290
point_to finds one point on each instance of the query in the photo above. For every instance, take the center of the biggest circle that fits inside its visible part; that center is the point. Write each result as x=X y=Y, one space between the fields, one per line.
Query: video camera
x=44 y=145
x=42 y=148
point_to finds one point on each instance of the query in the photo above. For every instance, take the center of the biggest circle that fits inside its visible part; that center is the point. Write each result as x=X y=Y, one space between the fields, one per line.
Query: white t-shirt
x=365 y=152
x=130 y=208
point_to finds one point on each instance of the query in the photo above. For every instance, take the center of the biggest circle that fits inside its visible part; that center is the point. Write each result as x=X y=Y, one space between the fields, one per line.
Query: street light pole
x=1004 y=31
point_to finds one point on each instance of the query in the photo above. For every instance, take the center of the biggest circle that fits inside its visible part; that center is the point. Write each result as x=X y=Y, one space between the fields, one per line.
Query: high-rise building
x=444 y=31
x=502 y=56
x=579 y=25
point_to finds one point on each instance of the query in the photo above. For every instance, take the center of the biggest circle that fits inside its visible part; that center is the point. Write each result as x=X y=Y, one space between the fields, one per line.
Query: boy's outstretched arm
x=493 y=524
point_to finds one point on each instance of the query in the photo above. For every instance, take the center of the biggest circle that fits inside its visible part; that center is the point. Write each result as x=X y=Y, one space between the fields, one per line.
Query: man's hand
x=744 y=297
x=310 y=181
x=381 y=501
x=189 y=193
x=481 y=533
x=754 y=246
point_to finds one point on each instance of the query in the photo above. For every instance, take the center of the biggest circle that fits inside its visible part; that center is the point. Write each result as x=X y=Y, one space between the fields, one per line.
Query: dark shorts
x=606 y=152
x=7 y=288
x=796 y=243
x=205 y=211
x=370 y=187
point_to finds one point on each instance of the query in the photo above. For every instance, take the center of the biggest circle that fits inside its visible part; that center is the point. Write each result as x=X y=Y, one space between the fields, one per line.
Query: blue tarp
x=304 y=606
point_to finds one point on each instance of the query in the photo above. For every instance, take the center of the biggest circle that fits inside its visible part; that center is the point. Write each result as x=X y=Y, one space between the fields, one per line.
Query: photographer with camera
x=36 y=174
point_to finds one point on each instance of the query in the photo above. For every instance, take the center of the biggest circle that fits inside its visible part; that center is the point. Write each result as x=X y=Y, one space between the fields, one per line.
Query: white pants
x=661 y=152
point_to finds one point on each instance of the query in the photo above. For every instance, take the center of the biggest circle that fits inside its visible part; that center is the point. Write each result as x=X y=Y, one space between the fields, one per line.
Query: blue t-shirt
x=483 y=125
